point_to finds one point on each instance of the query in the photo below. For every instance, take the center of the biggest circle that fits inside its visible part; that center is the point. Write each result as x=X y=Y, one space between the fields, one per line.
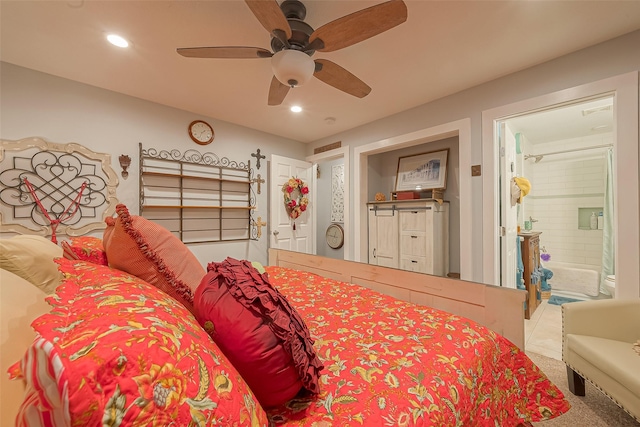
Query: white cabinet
x=412 y=235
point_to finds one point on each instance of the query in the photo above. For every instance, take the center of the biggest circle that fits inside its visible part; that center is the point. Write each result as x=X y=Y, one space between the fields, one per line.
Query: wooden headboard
x=500 y=309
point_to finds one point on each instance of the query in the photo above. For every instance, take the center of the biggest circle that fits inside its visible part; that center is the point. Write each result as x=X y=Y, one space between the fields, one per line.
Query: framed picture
x=424 y=171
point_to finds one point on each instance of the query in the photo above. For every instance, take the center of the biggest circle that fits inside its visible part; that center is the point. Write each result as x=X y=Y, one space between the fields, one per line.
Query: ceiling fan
x=293 y=42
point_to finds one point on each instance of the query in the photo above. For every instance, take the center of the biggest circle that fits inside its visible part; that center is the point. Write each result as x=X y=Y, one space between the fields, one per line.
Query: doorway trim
x=342 y=152
x=624 y=89
x=461 y=129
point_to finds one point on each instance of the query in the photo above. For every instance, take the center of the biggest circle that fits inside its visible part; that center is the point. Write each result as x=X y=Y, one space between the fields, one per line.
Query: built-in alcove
x=382 y=171
x=584 y=217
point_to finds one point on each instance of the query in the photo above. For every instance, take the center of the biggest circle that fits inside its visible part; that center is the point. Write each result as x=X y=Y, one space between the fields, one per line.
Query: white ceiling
x=443 y=47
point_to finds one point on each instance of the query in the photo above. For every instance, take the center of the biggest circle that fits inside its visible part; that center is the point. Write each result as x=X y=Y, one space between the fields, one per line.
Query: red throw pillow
x=149 y=251
x=264 y=338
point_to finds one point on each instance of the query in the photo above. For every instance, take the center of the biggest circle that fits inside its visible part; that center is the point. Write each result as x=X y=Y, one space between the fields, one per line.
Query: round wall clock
x=201 y=132
x=335 y=236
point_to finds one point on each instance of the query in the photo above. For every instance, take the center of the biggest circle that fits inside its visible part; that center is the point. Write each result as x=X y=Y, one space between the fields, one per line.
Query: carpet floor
x=592 y=410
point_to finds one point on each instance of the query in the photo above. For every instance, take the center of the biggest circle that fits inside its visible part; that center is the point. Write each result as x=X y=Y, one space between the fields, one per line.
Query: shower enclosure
x=569 y=194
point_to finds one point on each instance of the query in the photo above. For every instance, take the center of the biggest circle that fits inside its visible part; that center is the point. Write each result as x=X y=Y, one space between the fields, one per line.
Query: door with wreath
x=291 y=205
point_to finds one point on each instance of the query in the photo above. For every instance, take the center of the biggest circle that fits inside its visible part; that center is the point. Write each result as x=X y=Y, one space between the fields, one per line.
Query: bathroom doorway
x=543 y=332
x=562 y=152
x=623 y=90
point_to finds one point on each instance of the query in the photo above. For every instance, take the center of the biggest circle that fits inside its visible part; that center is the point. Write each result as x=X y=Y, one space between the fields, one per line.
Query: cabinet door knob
x=414 y=237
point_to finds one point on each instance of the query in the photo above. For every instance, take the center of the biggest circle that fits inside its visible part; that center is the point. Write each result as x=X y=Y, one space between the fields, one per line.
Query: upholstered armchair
x=598 y=340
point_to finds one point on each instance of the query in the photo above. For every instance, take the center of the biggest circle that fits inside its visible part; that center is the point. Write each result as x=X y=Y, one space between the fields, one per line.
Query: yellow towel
x=525 y=186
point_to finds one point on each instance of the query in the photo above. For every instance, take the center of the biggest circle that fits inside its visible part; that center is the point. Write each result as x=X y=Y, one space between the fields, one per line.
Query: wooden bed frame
x=500 y=309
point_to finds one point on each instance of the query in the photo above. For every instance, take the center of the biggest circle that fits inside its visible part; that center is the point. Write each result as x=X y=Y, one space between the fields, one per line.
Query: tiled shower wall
x=560 y=185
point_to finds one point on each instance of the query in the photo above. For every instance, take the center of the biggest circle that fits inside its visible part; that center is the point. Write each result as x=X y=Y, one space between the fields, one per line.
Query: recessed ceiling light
x=116 y=40
x=296 y=108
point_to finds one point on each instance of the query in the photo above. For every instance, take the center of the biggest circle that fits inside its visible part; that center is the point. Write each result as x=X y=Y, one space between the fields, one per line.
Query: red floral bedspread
x=392 y=363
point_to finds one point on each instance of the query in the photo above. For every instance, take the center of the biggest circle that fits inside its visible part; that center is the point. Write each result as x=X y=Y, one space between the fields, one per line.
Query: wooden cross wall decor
x=258 y=156
x=259 y=180
x=260 y=223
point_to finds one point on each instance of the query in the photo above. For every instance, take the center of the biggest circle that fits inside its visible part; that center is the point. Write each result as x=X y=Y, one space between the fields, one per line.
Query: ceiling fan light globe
x=292 y=67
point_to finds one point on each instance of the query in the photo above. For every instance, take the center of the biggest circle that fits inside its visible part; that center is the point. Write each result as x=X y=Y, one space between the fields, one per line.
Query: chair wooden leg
x=576 y=382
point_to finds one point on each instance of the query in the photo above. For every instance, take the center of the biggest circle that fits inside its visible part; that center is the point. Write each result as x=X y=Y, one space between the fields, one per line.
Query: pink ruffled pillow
x=265 y=339
x=147 y=250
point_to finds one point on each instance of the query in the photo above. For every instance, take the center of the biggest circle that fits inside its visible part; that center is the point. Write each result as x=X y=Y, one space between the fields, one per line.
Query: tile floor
x=543 y=332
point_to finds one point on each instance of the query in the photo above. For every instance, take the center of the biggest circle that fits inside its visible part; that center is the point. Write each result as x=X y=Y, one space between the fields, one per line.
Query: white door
x=287 y=233
x=508 y=213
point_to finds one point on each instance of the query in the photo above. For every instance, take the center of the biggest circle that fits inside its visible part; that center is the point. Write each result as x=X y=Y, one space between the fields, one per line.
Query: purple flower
x=545 y=257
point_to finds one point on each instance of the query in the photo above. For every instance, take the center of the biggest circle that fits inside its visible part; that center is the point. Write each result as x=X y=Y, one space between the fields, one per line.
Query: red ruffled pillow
x=265 y=339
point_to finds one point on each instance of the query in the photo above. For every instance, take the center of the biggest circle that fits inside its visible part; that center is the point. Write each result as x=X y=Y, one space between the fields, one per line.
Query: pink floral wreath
x=295 y=197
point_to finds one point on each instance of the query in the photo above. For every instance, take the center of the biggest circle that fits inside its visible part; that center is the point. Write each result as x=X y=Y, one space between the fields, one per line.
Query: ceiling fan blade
x=277 y=92
x=224 y=52
x=272 y=19
x=336 y=76
x=358 y=26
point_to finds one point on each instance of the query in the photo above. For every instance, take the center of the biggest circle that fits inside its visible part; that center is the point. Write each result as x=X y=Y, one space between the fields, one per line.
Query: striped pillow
x=44 y=372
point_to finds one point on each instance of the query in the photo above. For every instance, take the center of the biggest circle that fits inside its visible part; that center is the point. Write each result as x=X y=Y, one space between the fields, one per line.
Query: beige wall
x=612 y=58
x=35 y=104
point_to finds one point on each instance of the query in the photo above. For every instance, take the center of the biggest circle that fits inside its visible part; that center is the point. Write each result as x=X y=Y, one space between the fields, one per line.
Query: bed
x=499 y=309
x=390 y=362
x=117 y=348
